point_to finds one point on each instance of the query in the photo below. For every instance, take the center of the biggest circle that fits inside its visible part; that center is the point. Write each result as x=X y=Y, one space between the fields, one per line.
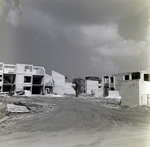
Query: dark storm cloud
x=87 y=11
x=131 y=16
x=77 y=37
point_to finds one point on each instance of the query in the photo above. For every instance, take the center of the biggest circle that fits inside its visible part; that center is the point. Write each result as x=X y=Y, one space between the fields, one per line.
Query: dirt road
x=70 y=122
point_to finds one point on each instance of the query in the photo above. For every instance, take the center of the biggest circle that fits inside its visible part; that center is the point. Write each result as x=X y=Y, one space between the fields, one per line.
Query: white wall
x=118 y=80
x=99 y=93
x=144 y=91
x=59 y=82
x=19 y=79
x=91 y=86
x=113 y=94
x=48 y=80
x=20 y=68
x=69 y=89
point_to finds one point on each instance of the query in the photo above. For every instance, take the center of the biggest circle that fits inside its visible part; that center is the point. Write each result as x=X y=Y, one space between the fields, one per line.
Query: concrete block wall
x=20 y=68
x=48 y=80
x=99 y=93
x=69 y=89
x=113 y=94
x=59 y=82
x=130 y=87
x=59 y=90
x=93 y=86
x=129 y=92
x=19 y=81
x=118 y=80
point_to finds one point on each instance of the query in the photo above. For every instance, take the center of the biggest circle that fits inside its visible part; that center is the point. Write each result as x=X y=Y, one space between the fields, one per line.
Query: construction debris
x=16 y=108
x=27 y=93
x=19 y=92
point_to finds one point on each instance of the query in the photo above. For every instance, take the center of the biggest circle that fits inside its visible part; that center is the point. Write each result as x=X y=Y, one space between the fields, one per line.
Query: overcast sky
x=76 y=37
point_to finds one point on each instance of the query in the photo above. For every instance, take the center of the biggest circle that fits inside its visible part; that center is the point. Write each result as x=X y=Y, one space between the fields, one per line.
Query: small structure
x=93 y=86
x=133 y=87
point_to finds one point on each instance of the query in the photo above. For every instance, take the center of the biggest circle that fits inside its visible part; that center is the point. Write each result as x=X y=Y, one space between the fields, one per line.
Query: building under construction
x=22 y=76
x=132 y=87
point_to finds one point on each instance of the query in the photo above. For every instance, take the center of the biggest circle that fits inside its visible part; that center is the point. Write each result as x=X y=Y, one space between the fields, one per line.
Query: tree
x=77 y=85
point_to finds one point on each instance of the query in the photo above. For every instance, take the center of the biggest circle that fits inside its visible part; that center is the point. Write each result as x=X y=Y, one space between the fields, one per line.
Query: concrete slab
x=114 y=95
x=16 y=108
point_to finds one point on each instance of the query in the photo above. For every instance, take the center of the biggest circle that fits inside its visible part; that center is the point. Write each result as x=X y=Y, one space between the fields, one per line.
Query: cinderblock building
x=22 y=76
x=93 y=85
x=132 y=87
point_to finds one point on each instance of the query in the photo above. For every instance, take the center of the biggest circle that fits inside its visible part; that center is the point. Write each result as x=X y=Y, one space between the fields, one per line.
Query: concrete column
x=130 y=77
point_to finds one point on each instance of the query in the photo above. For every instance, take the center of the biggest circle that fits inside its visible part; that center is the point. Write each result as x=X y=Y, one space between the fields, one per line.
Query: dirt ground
x=74 y=122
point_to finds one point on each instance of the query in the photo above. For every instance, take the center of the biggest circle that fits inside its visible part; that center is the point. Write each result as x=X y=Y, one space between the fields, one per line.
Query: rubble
x=19 y=92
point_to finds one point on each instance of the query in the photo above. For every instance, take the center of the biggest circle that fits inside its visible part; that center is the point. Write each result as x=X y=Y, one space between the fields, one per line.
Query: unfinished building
x=22 y=77
x=93 y=85
x=132 y=87
x=31 y=78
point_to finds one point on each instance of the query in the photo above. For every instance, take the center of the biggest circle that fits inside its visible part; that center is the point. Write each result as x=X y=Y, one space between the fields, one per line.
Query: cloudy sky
x=76 y=37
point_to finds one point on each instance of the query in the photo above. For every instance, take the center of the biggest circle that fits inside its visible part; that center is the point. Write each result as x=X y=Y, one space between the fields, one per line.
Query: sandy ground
x=74 y=122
